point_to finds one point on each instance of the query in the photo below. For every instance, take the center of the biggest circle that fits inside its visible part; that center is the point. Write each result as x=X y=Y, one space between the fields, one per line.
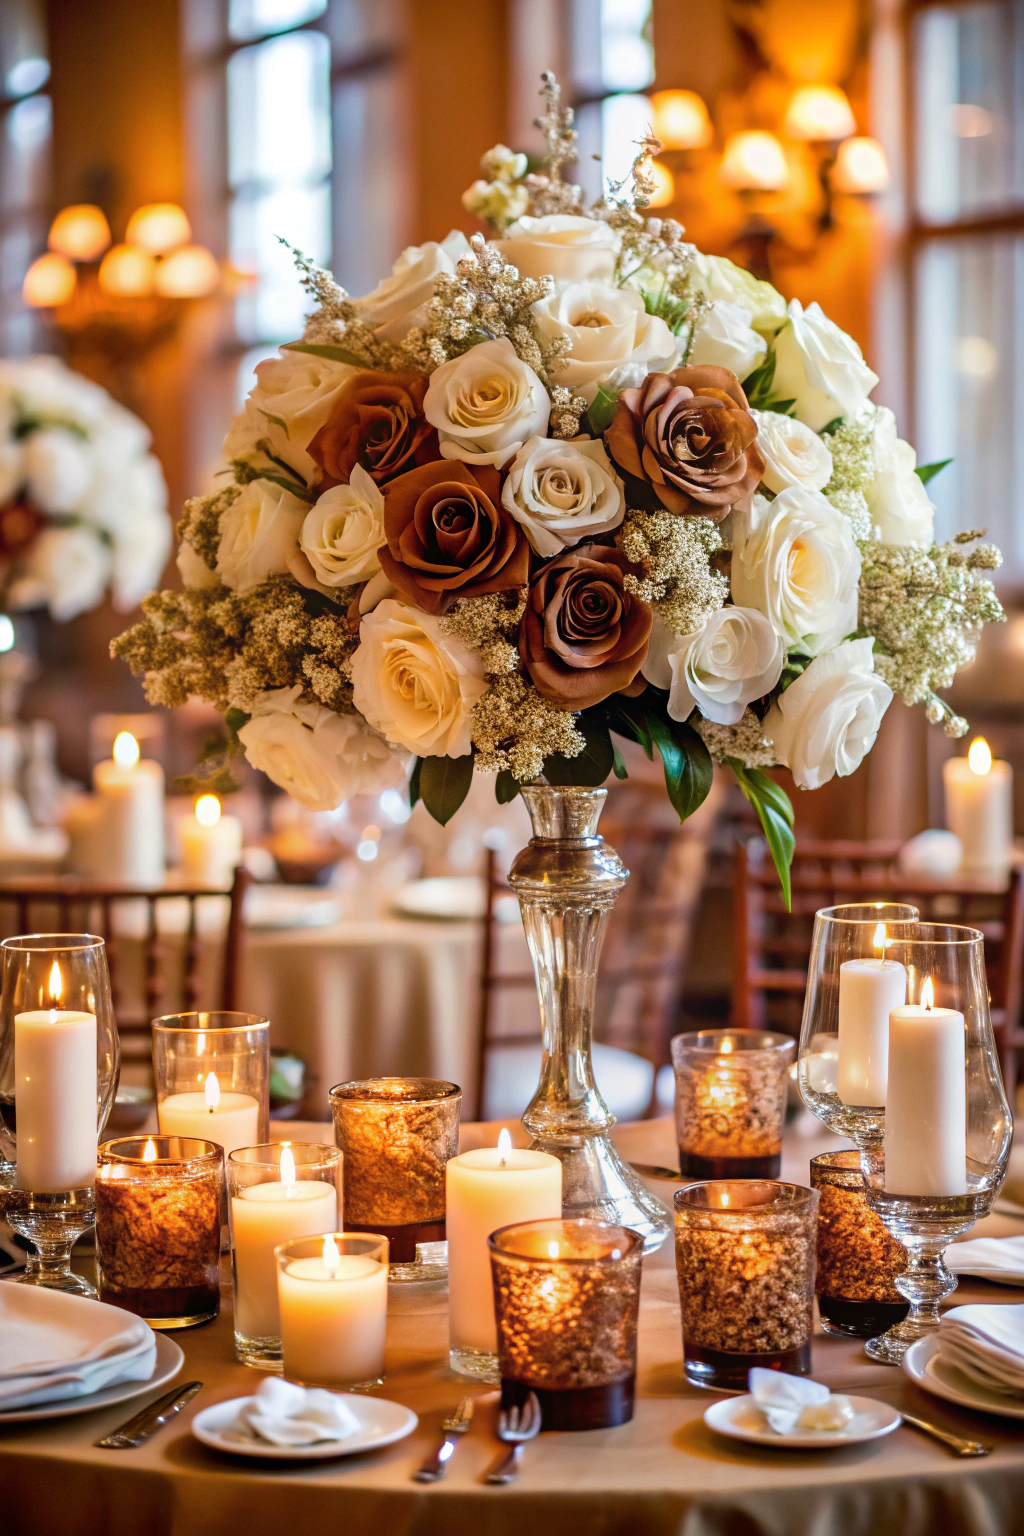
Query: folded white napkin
x=286 y=1414
x=987 y=1344
x=54 y=1346
x=981 y=1254
x=793 y=1402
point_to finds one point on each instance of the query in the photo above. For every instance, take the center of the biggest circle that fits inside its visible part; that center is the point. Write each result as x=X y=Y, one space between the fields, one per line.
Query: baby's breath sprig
x=549 y=193
x=674 y=556
x=199 y=524
x=744 y=741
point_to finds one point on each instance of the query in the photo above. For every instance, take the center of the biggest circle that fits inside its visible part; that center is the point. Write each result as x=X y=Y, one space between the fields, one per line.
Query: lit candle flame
x=56 y=985
x=504 y=1147
x=979 y=757
x=212 y=1091
x=726 y=1046
x=207 y=810
x=287 y=1168
x=332 y=1258
x=928 y=996
x=126 y=750
x=552 y=1249
x=149 y=1151
x=880 y=940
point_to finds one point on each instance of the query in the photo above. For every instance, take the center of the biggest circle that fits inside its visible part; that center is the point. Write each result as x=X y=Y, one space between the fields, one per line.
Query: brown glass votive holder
x=858 y=1259
x=566 y=1302
x=397 y=1134
x=158 y=1204
x=745 y=1263
x=731 y=1102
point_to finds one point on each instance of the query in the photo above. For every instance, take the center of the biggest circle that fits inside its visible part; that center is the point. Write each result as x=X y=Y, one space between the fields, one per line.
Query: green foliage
x=323 y=349
x=506 y=787
x=601 y=414
x=926 y=472
x=414 y=781
x=444 y=784
x=684 y=757
x=757 y=387
x=591 y=766
x=775 y=814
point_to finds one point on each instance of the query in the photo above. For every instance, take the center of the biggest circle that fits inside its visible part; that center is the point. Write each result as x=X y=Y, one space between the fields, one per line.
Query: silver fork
x=515 y=1426
x=452 y=1427
x=956 y=1443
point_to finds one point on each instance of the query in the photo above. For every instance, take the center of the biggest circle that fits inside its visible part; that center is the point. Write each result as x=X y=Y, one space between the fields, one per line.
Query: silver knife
x=138 y=1429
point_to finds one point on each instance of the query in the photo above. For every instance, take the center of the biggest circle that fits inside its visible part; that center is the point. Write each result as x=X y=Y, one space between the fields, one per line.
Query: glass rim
x=46 y=943
x=376 y=1241
x=788 y=1196
x=632 y=1238
x=361 y=1090
x=941 y=935
x=830 y=1161
x=326 y=1153
x=835 y=914
x=172 y=1023
x=209 y=1152
x=773 y=1039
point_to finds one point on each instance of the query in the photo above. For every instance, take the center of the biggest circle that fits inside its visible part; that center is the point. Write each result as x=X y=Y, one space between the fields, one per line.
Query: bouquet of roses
x=572 y=483
x=83 y=504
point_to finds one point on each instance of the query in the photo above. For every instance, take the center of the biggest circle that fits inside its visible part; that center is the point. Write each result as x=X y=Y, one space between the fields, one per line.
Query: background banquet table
x=664 y=1474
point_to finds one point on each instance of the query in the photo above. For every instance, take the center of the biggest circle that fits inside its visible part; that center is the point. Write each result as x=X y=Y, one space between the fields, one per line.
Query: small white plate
x=450 y=898
x=168 y=1363
x=741 y=1418
x=924 y=1365
x=381 y=1423
x=1012 y=1277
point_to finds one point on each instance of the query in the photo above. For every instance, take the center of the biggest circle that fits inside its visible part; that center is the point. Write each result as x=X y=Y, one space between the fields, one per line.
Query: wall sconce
x=755 y=162
x=681 y=120
x=81 y=232
x=158 y=228
x=126 y=272
x=819 y=114
x=861 y=167
x=49 y=282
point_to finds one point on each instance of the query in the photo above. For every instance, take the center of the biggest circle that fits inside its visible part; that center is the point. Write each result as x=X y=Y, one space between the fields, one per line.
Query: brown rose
x=583 y=636
x=377 y=422
x=19 y=524
x=449 y=536
x=690 y=436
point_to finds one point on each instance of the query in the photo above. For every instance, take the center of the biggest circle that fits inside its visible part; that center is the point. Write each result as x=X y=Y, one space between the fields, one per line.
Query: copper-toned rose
x=377 y=422
x=449 y=536
x=583 y=636
x=690 y=435
x=19 y=524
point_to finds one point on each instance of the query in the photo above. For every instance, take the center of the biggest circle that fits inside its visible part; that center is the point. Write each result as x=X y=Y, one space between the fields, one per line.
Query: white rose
x=414 y=683
x=259 y=535
x=737 y=657
x=58 y=468
x=292 y=398
x=900 y=506
x=820 y=367
x=67 y=569
x=140 y=554
x=485 y=404
x=319 y=757
x=562 y=492
x=792 y=453
x=12 y=472
x=193 y=568
x=614 y=340
x=42 y=388
x=827 y=720
x=342 y=533
x=794 y=560
x=565 y=246
x=401 y=300
x=718 y=278
x=122 y=489
x=724 y=338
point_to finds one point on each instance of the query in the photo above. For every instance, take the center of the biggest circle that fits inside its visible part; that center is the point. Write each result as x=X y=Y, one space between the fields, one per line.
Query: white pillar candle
x=488 y=1189
x=979 y=809
x=333 y=1317
x=131 y=827
x=262 y=1216
x=211 y=844
x=926 y=1105
x=868 y=992
x=55 y=1099
x=232 y=1120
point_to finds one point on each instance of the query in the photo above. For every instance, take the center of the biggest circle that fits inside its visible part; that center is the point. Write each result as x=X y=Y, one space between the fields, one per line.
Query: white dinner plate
x=168 y=1363
x=446 y=897
x=381 y=1423
x=290 y=906
x=996 y=1276
x=741 y=1418
x=927 y=1369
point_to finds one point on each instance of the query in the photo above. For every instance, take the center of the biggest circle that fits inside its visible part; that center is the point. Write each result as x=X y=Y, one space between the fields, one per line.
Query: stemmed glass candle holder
x=948 y=1126
x=278 y=1192
x=730 y=1102
x=212 y=1073
x=59 y=1062
x=333 y=1299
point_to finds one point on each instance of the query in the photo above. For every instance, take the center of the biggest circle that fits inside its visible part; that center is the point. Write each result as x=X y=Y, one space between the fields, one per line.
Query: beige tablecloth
x=664 y=1474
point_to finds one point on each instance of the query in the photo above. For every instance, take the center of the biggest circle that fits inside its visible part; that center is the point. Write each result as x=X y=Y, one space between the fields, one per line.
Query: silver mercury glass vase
x=567 y=880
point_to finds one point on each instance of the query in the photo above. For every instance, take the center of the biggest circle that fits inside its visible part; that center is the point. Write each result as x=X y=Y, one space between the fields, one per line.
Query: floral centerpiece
x=569 y=483
x=83 y=504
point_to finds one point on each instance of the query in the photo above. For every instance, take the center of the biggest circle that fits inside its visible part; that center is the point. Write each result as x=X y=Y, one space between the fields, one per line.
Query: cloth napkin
x=54 y=1346
x=998 y=1254
x=286 y=1414
x=793 y=1402
x=987 y=1344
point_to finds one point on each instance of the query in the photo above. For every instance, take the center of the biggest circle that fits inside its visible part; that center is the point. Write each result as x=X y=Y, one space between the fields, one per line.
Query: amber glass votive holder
x=731 y=1102
x=858 y=1259
x=566 y=1302
x=397 y=1134
x=745 y=1262
x=158 y=1204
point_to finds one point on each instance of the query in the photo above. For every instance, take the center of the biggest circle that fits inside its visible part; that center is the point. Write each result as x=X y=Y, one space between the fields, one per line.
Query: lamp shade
x=819 y=112
x=81 y=232
x=159 y=227
x=754 y=161
x=127 y=272
x=861 y=166
x=190 y=272
x=49 y=281
x=681 y=120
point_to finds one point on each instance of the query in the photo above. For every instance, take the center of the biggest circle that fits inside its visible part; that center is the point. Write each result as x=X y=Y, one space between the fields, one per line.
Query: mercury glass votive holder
x=730 y=1102
x=212 y=1075
x=566 y=1302
x=276 y=1193
x=745 y=1254
x=158 y=1204
x=858 y=1260
x=333 y=1297
x=397 y=1134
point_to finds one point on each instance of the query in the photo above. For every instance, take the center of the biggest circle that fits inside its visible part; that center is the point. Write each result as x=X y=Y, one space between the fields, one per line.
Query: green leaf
x=593 y=765
x=601 y=414
x=506 y=787
x=322 y=349
x=685 y=758
x=295 y=486
x=757 y=386
x=926 y=472
x=619 y=763
x=832 y=426
x=775 y=814
x=414 y=781
x=444 y=784
x=234 y=719
x=627 y=718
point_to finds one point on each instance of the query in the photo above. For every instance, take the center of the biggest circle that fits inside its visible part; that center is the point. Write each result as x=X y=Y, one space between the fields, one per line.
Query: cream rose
x=792 y=453
x=900 y=507
x=826 y=721
x=342 y=533
x=193 y=568
x=563 y=492
x=486 y=404
x=319 y=757
x=293 y=396
x=718 y=278
x=259 y=535
x=415 y=684
x=820 y=367
x=565 y=246
x=724 y=338
x=794 y=560
x=614 y=340
x=58 y=467
x=67 y=569
x=737 y=657
x=401 y=300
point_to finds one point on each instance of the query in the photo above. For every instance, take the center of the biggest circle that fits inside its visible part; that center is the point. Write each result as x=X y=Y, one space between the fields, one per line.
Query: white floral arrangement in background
x=83 y=504
x=573 y=482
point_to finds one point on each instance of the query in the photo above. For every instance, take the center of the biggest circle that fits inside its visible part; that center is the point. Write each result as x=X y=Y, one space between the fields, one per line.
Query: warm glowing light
x=979 y=757
x=970 y=121
x=81 y=232
x=754 y=161
x=126 y=750
x=681 y=120
x=207 y=810
x=126 y=272
x=56 y=984
x=726 y=1046
x=879 y=939
x=861 y=166
x=212 y=1091
x=287 y=1167
x=191 y=272
x=928 y=996
x=552 y=1249
x=200 y=1043
x=7 y=635
x=149 y=1151
x=504 y=1146
x=159 y=227
x=664 y=185
x=819 y=112
x=332 y=1258
x=724 y=1198
x=49 y=282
